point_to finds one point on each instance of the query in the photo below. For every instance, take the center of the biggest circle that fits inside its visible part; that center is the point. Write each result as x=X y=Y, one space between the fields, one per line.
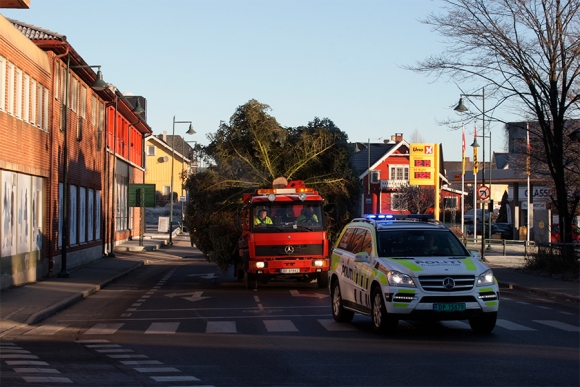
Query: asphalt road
x=181 y=323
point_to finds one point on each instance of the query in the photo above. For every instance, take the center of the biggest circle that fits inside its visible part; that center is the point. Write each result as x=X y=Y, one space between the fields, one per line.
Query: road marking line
x=512 y=326
x=280 y=326
x=559 y=325
x=175 y=379
x=25 y=362
x=45 y=379
x=140 y=362
x=104 y=329
x=156 y=369
x=46 y=330
x=162 y=328
x=221 y=327
x=37 y=370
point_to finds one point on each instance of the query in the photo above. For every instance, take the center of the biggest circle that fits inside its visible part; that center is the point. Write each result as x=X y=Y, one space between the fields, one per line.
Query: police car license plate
x=449 y=307
x=289 y=271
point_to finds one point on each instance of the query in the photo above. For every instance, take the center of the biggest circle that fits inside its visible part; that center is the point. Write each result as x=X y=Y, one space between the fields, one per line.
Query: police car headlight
x=397 y=278
x=485 y=278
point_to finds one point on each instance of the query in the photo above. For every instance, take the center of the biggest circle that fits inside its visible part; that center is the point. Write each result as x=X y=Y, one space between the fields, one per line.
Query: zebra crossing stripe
x=512 y=326
x=104 y=329
x=221 y=327
x=162 y=328
x=46 y=330
x=559 y=325
x=46 y=379
x=36 y=370
x=280 y=326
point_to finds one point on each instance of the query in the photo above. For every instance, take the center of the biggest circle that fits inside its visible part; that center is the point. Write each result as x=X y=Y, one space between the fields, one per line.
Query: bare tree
x=526 y=53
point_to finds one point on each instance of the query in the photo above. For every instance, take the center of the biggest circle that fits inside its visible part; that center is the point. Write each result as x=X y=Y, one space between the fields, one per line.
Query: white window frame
x=45 y=120
x=2 y=82
x=83 y=101
x=74 y=94
x=39 y=105
x=151 y=150
x=26 y=113
x=94 y=110
x=18 y=94
x=33 y=101
x=10 y=107
x=399 y=172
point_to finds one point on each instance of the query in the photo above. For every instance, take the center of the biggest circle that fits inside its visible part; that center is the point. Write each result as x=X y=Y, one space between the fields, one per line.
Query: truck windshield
x=301 y=216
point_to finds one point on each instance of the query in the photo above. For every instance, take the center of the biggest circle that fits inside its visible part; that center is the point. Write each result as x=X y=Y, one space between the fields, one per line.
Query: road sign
x=483 y=192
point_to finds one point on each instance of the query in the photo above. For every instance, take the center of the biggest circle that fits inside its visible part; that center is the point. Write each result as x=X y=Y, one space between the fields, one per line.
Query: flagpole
x=462 y=176
x=528 y=173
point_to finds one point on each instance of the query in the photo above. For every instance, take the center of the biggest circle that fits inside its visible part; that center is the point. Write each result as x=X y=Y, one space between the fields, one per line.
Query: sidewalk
x=30 y=304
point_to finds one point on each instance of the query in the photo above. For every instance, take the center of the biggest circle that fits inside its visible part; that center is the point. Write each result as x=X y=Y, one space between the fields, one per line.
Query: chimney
x=165 y=136
x=398 y=137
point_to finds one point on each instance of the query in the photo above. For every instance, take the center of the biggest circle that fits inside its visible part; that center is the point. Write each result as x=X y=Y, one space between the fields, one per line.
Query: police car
x=409 y=268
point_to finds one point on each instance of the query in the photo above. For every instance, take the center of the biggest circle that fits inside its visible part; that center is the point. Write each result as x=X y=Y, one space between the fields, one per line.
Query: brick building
x=68 y=155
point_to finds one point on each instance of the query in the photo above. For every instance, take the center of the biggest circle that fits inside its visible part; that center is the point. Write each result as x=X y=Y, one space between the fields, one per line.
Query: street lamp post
x=461 y=108
x=98 y=85
x=190 y=131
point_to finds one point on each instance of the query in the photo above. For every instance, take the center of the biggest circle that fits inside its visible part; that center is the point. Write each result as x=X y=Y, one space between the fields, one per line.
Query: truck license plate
x=289 y=271
x=449 y=307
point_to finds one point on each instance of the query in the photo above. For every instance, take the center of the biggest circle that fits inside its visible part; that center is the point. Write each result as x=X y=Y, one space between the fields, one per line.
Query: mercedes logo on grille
x=289 y=249
x=448 y=283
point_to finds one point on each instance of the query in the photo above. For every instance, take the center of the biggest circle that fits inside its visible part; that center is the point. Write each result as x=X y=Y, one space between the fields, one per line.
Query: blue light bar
x=399 y=216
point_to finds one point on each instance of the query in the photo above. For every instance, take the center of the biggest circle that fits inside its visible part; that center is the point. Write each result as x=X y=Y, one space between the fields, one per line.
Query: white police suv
x=409 y=268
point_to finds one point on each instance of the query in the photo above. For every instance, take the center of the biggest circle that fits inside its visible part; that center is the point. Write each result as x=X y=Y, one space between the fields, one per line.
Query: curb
x=540 y=292
x=47 y=312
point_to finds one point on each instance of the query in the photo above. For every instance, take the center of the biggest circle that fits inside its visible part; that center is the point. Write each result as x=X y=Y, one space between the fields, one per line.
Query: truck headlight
x=260 y=265
x=318 y=263
x=485 y=278
x=397 y=278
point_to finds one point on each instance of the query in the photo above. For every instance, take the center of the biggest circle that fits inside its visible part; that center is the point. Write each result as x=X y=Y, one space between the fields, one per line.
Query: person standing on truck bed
x=307 y=215
x=262 y=218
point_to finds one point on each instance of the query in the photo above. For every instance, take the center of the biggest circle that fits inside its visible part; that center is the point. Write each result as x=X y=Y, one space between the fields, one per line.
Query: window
x=2 y=82
x=39 y=96
x=74 y=94
x=82 y=215
x=90 y=214
x=398 y=202
x=10 y=108
x=45 y=120
x=121 y=205
x=98 y=215
x=26 y=113
x=33 y=101
x=375 y=177
x=150 y=150
x=399 y=172
x=73 y=217
x=18 y=110
x=166 y=190
x=94 y=110
x=83 y=102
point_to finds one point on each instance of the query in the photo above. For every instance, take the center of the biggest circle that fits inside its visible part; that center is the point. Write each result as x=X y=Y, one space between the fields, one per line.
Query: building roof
x=377 y=151
x=33 y=32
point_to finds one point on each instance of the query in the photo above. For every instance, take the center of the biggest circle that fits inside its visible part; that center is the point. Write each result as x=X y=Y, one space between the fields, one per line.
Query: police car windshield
x=403 y=243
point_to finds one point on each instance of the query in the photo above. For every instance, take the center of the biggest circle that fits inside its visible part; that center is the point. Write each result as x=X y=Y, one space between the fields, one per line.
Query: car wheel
x=250 y=281
x=322 y=280
x=339 y=313
x=382 y=322
x=484 y=323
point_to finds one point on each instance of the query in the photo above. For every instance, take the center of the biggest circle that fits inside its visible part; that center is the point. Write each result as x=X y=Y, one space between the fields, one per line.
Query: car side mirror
x=362 y=257
x=475 y=255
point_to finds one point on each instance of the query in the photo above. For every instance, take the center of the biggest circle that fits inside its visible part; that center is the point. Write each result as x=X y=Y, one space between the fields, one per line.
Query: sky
x=199 y=60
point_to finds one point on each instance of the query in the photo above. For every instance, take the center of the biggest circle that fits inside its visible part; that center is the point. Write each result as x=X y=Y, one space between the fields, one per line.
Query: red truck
x=290 y=241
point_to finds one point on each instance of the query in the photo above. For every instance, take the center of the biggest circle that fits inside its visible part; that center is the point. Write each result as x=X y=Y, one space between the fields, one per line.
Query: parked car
x=494 y=229
x=506 y=229
x=555 y=234
x=468 y=216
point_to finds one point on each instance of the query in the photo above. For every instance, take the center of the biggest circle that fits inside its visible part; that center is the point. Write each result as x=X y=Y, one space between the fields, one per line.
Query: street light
x=98 y=85
x=461 y=108
x=190 y=131
x=136 y=110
